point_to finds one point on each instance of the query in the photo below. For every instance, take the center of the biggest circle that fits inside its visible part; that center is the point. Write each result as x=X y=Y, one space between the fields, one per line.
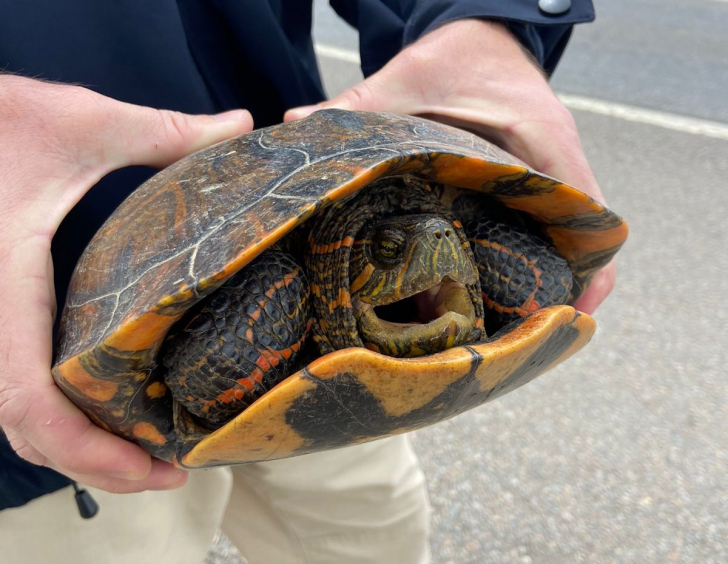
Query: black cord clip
x=87 y=505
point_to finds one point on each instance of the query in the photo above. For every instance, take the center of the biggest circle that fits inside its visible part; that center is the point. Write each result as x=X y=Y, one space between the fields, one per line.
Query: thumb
x=389 y=90
x=146 y=136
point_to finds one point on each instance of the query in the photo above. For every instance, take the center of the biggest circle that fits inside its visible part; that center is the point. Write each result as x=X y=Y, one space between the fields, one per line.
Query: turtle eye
x=388 y=246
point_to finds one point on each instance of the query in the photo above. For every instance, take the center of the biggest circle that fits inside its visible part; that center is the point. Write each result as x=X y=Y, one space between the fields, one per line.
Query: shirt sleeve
x=386 y=26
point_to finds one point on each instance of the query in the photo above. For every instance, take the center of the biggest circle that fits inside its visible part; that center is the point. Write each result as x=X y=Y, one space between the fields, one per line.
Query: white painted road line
x=666 y=120
x=346 y=55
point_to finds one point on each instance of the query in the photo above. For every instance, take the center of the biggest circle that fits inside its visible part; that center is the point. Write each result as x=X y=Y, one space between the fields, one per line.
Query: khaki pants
x=361 y=504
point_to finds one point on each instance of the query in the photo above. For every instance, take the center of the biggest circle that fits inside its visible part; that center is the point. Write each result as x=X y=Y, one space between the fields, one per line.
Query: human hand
x=56 y=142
x=474 y=75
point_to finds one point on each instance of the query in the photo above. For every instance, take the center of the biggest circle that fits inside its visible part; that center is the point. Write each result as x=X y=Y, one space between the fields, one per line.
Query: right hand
x=56 y=142
x=475 y=75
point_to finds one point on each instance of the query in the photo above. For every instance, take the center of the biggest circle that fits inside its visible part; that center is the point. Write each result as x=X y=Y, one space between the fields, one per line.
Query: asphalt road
x=621 y=454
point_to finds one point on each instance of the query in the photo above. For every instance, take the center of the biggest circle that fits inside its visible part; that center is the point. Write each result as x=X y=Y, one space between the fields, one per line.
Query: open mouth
x=429 y=321
x=428 y=305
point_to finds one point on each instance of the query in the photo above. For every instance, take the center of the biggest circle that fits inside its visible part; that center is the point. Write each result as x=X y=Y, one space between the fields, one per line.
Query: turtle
x=326 y=282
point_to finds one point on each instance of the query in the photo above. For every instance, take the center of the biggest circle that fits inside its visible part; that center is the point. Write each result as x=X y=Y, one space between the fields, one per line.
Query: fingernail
x=175 y=479
x=232 y=115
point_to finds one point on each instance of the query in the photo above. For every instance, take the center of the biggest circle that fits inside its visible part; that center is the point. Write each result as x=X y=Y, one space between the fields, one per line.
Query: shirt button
x=554 y=7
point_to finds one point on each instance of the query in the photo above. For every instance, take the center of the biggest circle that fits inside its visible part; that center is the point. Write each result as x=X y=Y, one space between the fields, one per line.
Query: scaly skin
x=394 y=245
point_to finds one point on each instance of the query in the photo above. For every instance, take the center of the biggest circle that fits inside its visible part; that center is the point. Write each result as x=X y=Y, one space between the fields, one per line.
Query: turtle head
x=414 y=286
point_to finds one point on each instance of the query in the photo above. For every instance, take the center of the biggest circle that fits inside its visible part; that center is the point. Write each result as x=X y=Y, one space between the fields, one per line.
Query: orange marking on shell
x=469 y=172
x=264 y=241
x=147 y=432
x=574 y=245
x=156 y=390
x=249 y=335
x=566 y=202
x=143 y=332
x=73 y=374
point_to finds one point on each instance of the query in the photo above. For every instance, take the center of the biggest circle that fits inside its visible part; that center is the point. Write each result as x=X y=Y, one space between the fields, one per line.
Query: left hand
x=474 y=74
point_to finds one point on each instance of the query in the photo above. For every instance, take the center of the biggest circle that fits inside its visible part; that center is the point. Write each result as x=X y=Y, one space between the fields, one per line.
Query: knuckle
x=14 y=406
x=177 y=128
x=356 y=95
x=565 y=118
x=559 y=115
x=26 y=451
x=419 y=60
x=74 y=460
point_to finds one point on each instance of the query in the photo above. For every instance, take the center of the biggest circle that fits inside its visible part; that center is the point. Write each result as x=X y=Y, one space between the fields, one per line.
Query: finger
x=31 y=405
x=599 y=288
x=52 y=428
x=42 y=424
x=162 y=476
x=145 y=136
x=84 y=136
x=387 y=90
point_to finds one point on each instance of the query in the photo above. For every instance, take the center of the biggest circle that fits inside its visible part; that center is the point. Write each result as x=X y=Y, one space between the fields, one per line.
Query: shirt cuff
x=386 y=26
x=544 y=35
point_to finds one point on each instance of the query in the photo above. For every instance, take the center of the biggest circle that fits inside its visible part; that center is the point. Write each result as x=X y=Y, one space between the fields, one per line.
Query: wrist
x=478 y=39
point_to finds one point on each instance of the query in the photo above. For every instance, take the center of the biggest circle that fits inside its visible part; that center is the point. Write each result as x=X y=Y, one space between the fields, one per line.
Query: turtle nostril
x=447 y=233
x=438 y=234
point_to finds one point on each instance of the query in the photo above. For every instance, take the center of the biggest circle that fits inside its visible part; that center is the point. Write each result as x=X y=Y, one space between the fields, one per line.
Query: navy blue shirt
x=206 y=56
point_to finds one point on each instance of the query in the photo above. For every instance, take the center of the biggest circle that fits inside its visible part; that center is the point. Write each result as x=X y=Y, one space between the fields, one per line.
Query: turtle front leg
x=241 y=341
x=519 y=272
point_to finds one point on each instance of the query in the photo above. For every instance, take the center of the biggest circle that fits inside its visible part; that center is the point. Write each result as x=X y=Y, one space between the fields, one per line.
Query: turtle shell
x=192 y=226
